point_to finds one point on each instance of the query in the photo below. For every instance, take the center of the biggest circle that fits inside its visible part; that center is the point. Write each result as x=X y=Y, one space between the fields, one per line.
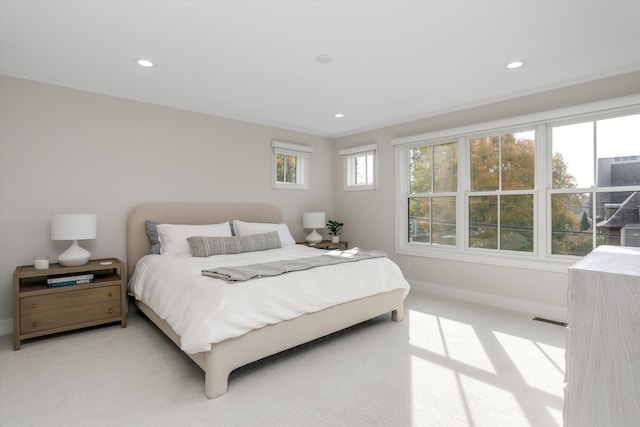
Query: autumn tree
x=434 y=170
x=502 y=162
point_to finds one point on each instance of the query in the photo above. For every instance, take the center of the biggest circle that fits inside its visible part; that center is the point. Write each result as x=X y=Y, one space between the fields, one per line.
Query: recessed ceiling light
x=516 y=64
x=145 y=63
x=338 y=115
x=324 y=58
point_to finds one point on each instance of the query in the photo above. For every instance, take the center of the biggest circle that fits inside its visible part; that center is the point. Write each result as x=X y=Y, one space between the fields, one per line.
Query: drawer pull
x=34 y=305
x=109 y=295
x=34 y=324
x=110 y=310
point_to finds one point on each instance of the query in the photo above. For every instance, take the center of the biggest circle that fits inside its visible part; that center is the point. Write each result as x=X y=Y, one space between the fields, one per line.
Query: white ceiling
x=393 y=61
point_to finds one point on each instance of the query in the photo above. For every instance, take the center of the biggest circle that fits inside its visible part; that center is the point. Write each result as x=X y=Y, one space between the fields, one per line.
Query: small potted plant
x=334 y=227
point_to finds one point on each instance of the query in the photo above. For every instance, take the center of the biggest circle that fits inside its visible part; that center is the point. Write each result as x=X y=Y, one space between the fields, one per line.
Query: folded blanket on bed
x=275 y=268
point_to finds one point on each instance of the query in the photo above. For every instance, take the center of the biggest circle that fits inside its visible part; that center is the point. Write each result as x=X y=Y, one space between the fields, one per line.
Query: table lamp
x=313 y=220
x=74 y=227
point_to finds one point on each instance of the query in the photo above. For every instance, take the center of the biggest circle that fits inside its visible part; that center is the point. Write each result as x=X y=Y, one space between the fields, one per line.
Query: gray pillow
x=152 y=232
x=202 y=246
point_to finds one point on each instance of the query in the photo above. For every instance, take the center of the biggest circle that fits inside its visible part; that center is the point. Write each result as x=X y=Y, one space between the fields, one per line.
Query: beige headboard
x=138 y=243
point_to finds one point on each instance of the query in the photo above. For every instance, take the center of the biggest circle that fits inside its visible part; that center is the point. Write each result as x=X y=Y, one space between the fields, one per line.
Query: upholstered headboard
x=138 y=244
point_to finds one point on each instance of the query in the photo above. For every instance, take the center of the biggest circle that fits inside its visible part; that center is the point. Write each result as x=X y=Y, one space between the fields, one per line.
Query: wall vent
x=553 y=322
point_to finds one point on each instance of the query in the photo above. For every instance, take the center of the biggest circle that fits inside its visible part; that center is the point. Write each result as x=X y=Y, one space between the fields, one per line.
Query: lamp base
x=314 y=237
x=74 y=256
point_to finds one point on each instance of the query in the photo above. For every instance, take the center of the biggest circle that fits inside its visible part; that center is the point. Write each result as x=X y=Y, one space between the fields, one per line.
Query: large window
x=551 y=189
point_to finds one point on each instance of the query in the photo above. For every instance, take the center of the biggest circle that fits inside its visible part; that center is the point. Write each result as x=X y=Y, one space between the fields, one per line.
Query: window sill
x=526 y=262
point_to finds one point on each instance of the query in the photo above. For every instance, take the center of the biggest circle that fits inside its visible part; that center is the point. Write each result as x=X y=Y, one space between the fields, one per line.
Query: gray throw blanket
x=275 y=268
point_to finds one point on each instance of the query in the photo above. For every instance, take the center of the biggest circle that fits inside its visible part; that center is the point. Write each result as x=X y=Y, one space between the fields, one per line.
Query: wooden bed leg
x=397 y=315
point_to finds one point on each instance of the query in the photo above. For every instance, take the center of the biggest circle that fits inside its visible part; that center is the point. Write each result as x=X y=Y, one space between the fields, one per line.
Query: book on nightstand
x=56 y=282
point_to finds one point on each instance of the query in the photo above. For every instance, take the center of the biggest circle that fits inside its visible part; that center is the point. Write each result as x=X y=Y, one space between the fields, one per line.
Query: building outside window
x=599 y=195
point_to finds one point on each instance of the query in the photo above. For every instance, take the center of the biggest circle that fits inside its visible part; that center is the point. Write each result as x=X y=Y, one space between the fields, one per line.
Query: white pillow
x=173 y=237
x=245 y=228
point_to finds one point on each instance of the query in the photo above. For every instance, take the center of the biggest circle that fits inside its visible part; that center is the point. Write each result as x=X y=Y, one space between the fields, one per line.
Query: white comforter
x=204 y=310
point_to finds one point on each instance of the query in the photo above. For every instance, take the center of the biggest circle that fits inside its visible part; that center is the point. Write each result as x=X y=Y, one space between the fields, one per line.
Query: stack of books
x=56 y=282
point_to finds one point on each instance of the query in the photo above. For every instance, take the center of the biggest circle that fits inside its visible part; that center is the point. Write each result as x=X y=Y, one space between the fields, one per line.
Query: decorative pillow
x=173 y=237
x=152 y=232
x=246 y=228
x=202 y=246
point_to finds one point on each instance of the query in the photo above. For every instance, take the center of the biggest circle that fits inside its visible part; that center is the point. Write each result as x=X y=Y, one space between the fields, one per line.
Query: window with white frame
x=595 y=185
x=359 y=167
x=290 y=165
x=501 y=193
x=546 y=187
x=433 y=185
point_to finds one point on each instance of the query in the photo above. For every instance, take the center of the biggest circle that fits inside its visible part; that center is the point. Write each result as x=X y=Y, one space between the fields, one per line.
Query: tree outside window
x=433 y=187
x=501 y=201
x=553 y=188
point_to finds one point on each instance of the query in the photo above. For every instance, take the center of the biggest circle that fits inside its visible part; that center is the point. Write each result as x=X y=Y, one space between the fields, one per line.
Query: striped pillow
x=204 y=246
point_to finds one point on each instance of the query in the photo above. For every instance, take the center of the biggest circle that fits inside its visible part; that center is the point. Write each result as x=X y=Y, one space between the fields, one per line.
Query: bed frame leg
x=397 y=315
x=215 y=386
x=216 y=373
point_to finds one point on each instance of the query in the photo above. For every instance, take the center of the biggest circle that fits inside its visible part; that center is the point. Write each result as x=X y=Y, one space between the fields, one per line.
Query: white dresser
x=603 y=343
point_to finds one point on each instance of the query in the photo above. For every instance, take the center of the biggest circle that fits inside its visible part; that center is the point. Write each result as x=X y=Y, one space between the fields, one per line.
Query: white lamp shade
x=73 y=227
x=313 y=220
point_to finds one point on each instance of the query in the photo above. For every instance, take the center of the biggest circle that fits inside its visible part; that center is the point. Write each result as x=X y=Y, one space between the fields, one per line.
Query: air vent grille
x=553 y=322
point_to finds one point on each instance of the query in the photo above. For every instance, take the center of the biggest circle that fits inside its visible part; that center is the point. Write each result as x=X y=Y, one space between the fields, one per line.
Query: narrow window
x=359 y=167
x=501 y=200
x=432 y=194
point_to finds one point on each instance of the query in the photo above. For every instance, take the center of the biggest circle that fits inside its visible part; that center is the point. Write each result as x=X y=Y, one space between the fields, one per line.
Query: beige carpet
x=447 y=364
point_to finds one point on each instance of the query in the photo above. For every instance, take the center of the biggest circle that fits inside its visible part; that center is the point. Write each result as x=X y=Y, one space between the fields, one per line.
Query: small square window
x=290 y=166
x=359 y=167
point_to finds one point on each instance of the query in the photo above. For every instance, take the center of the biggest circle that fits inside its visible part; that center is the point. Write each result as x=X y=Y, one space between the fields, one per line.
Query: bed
x=222 y=355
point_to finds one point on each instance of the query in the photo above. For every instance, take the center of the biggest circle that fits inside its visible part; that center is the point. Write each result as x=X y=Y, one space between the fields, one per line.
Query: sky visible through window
x=616 y=137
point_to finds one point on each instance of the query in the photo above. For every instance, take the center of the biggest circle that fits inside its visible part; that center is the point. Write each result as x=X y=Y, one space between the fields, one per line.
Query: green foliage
x=334 y=227
x=584 y=222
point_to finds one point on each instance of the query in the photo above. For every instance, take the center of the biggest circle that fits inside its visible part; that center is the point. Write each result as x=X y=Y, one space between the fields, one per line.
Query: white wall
x=369 y=216
x=68 y=151
x=63 y=150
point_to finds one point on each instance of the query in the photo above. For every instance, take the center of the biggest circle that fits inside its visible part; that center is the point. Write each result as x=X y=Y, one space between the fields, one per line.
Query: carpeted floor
x=448 y=363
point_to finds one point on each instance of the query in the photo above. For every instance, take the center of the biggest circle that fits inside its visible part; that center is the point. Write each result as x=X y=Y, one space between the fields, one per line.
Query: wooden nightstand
x=39 y=310
x=327 y=245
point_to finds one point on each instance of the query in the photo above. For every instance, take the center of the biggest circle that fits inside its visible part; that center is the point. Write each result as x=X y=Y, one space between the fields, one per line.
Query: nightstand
x=327 y=245
x=41 y=310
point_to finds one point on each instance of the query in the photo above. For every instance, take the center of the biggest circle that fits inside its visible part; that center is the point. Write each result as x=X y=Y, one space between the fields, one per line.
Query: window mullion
x=462 y=199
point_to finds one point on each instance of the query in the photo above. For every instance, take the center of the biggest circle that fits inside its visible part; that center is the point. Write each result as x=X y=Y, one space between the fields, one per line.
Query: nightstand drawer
x=63 y=300
x=71 y=316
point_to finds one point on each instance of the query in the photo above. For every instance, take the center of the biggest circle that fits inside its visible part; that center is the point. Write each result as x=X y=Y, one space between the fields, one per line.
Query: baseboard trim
x=535 y=309
x=6 y=326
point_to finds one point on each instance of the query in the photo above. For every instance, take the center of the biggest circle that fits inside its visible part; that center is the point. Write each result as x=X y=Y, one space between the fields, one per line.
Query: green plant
x=334 y=227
